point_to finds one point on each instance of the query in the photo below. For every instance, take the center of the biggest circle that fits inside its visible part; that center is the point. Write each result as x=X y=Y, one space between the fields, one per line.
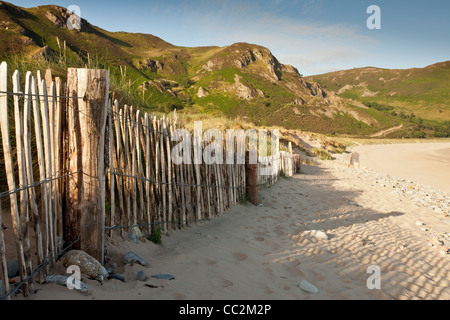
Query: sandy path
x=427 y=163
x=262 y=253
x=387 y=131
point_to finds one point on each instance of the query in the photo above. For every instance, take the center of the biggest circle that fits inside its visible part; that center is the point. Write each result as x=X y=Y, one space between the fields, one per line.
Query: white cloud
x=310 y=46
x=323 y=60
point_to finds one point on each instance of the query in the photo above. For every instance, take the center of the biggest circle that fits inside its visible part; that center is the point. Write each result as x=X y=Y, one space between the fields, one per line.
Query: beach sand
x=264 y=252
x=425 y=163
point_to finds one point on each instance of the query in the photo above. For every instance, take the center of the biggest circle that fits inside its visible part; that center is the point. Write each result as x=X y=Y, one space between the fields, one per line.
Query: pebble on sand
x=62 y=280
x=164 y=277
x=117 y=276
x=131 y=257
x=141 y=276
x=132 y=237
x=320 y=235
x=308 y=287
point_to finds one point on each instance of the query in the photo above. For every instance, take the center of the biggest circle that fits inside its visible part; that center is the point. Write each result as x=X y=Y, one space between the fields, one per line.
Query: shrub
x=155 y=236
x=322 y=154
x=419 y=135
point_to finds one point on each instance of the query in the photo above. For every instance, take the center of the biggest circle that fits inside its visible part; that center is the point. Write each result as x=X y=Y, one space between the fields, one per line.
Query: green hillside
x=238 y=81
x=425 y=92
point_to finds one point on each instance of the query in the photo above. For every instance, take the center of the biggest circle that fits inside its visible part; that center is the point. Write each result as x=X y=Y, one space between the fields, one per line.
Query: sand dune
x=265 y=252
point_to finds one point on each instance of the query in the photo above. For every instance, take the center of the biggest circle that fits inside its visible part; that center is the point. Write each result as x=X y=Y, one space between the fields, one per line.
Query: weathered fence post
x=3 y=261
x=9 y=166
x=251 y=174
x=84 y=216
x=298 y=163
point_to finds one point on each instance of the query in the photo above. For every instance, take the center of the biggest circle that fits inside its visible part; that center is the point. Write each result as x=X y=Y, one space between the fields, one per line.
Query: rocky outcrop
x=202 y=92
x=60 y=16
x=245 y=92
x=56 y=20
x=152 y=65
x=212 y=65
x=163 y=85
x=290 y=69
x=298 y=101
x=316 y=90
x=246 y=56
x=170 y=64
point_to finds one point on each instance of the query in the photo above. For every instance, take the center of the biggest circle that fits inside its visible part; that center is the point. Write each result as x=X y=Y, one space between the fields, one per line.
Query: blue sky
x=316 y=36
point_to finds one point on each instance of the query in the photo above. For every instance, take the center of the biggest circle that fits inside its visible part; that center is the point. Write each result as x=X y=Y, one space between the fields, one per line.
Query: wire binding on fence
x=21 y=94
x=174 y=183
x=20 y=189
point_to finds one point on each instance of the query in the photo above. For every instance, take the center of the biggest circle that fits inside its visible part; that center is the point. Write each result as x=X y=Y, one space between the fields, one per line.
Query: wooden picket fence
x=34 y=191
x=148 y=189
x=270 y=168
x=83 y=167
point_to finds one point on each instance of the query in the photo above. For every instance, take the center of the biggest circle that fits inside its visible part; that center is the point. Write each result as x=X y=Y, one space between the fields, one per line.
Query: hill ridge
x=240 y=80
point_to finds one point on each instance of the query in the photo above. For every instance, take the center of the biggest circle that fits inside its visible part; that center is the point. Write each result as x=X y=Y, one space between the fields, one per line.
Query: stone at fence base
x=132 y=237
x=117 y=276
x=87 y=264
x=62 y=280
x=136 y=231
x=111 y=267
x=131 y=257
x=141 y=276
x=164 y=277
x=13 y=268
x=135 y=234
x=103 y=272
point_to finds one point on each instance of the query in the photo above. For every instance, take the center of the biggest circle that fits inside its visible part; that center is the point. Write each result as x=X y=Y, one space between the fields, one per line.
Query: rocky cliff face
x=171 y=64
x=64 y=18
x=248 y=57
x=246 y=92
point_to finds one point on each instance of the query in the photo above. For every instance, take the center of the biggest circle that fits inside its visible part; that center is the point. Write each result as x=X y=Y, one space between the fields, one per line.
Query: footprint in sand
x=210 y=262
x=260 y=239
x=267 y=290
x=227 y=283
x=239 y=256
x=179 y=296
x=222 y=283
